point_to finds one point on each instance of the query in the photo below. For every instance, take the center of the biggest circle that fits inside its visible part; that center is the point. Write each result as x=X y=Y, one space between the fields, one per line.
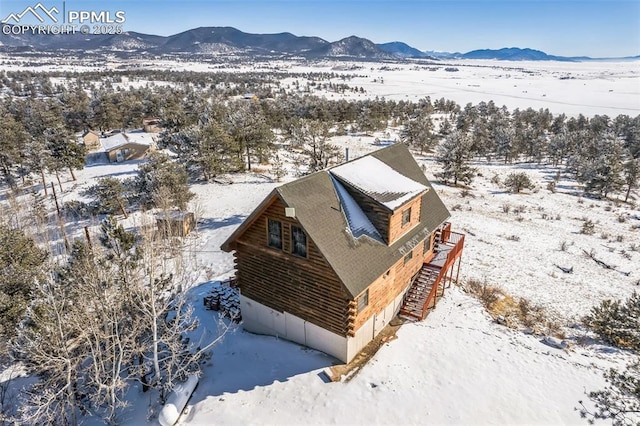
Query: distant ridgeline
x=231 y=41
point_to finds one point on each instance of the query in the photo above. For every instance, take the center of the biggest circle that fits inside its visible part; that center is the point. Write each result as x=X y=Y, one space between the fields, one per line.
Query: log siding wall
x=396 y=229
x=387 y=287
x=305 y=287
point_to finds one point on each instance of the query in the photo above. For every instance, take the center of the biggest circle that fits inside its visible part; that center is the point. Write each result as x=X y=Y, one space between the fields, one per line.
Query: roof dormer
x=390 y=200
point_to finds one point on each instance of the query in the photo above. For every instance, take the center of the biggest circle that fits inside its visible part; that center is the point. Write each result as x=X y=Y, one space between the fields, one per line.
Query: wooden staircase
x=416 y=301
x=428 y=285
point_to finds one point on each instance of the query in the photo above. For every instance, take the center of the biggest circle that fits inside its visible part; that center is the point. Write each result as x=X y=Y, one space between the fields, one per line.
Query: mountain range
x=231 y=41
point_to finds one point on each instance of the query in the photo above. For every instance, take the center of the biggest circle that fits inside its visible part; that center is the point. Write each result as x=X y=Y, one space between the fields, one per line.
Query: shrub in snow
x=588 y=227
x=510 y=311
x=616 y=322
x=516 y=182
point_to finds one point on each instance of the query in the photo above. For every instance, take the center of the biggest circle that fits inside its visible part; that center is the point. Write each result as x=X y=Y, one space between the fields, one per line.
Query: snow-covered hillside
x=458 y=366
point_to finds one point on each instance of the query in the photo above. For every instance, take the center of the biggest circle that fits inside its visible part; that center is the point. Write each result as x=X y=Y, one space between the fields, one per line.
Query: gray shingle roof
x=356 y=261
x=378 y=181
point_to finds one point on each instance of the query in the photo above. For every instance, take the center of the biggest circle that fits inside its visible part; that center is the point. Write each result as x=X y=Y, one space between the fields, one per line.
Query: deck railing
x=457 y=240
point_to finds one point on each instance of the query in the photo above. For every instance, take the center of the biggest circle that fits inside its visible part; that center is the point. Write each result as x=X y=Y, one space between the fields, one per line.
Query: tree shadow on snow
x=211 y=224
x=113 y=164
x=243 y=361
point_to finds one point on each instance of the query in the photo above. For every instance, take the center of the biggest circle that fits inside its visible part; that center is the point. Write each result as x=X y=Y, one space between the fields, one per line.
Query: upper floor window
x=298 y=241
x=275 y=233
x=406 y=216
x=363 y=300
x=427 y=244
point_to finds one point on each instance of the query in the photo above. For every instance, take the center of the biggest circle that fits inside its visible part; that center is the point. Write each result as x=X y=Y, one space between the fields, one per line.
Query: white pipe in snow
x=177 y=401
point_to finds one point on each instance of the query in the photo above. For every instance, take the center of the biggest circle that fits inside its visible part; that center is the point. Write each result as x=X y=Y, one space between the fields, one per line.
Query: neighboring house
x=125 y=146
x=91 y=139
x=151 y=125
x=329 y=259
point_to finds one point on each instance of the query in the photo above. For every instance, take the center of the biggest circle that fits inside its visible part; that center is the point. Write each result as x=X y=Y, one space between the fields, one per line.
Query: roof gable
x=338 y=230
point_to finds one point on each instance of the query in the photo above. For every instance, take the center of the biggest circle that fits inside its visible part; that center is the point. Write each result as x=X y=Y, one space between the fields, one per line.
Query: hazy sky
x=570 y=28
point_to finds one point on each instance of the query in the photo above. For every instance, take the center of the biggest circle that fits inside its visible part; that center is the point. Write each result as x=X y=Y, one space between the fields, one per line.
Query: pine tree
x=418 y=133
x=163 y=176
x=454 y=154
x=206 y=149
x=604 y=172
x=216 y=151
x=110 y=194
x=249 y=129
x=516 y=182
x=64 y=151
x=13 y=139
x=277 y=168
x=620 y=400
x=22 y=266
x=503 y=137
x=617 y=323
x=631 y=172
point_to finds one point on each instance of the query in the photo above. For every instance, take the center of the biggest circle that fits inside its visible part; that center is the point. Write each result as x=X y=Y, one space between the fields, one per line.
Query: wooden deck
x=436 y=275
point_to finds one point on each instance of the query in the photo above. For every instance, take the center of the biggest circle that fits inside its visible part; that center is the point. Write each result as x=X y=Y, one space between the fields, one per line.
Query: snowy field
x=588 y=88
x=457 y=367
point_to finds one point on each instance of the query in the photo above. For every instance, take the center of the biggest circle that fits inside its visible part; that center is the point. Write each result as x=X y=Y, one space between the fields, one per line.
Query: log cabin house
x=329 y=259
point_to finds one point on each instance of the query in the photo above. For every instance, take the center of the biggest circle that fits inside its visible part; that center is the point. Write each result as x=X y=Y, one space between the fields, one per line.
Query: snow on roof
x=379 y=181
x=359 y=223
x=119 y=139
x=113 y=142
x=141 y=137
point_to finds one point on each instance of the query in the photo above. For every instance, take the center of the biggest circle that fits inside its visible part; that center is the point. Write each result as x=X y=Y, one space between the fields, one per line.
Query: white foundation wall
x=260 y=319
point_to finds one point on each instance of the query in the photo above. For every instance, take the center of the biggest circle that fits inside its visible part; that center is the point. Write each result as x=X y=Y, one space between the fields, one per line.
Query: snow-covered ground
x=457 y=366
x=588 y=88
